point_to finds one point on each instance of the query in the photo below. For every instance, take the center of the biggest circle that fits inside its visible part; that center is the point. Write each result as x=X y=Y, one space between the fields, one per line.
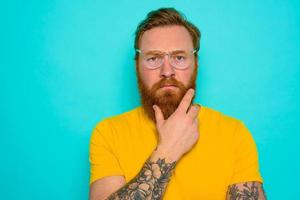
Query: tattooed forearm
x=150 y=183
x=246 y=191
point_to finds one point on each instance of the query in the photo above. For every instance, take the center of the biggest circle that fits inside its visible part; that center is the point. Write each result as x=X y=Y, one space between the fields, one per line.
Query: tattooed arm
x=150 y=183
x=246 y=191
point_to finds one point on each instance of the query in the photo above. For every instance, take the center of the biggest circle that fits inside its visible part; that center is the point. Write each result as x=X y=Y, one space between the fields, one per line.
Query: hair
x=166 y=17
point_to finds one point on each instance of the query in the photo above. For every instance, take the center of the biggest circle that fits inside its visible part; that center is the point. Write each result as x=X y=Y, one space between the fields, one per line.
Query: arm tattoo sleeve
x=246 y=191
x=150 y=183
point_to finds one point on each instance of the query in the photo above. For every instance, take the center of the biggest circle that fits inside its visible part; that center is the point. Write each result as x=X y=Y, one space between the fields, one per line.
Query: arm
x=102 y=188
x=247 y=190
x=151 y=181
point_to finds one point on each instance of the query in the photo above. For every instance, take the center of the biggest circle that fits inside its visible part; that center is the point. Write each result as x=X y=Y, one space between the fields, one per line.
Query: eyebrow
x=154 y=52
x=178 y=51
x=161 y=52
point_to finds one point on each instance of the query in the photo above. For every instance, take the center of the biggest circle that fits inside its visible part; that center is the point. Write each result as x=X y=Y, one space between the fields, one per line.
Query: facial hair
x=168 y=100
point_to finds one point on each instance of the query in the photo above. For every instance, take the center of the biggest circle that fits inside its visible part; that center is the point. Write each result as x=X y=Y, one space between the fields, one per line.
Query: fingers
x=159 y=117
x=186 y=101
x=196 y=120
x=193 y=112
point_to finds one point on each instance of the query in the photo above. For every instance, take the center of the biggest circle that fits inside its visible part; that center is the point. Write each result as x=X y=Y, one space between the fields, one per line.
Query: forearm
x=151 y=181
x=246 y=190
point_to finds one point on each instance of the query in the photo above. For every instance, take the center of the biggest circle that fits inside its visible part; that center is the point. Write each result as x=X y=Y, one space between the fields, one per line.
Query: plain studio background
x=66 y=65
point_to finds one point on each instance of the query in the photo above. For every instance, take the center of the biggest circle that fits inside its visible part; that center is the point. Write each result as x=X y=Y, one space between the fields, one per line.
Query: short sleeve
x=246 y=166
x=103 y=159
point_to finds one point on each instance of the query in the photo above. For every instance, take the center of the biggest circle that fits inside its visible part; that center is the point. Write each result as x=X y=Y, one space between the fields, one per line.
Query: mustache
x=167 y=81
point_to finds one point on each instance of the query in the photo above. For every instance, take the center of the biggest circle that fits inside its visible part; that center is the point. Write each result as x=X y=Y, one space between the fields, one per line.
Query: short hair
x=166 y=17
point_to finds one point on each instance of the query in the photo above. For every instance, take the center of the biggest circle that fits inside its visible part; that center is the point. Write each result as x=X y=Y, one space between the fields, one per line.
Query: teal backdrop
x=66 y=65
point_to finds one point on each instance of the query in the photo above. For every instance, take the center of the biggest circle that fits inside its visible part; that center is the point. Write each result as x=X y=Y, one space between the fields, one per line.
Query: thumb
x=159 y=117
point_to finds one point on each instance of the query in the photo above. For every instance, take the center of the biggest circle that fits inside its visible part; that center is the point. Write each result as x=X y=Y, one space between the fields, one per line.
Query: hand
x=179 y=132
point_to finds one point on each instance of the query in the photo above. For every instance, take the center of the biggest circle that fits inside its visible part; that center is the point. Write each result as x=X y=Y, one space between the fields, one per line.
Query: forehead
x=166 y=38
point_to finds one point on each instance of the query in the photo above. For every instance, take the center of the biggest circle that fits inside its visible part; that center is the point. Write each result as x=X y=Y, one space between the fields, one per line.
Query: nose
x=166 y=70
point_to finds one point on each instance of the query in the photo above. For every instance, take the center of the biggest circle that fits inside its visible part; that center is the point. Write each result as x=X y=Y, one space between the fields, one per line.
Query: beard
x=167 y=100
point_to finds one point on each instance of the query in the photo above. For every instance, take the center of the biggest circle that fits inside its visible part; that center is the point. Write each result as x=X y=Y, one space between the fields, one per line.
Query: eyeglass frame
x=164 y=55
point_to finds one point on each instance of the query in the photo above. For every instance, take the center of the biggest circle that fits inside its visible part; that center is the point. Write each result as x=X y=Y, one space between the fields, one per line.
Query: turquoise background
x=66 y=65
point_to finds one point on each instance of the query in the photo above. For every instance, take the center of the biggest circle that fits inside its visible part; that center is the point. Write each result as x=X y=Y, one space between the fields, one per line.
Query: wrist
x=165 y=153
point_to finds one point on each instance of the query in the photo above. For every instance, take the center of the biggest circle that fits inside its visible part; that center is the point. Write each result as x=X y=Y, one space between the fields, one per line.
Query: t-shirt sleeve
x=246 y=167
x=103 y=159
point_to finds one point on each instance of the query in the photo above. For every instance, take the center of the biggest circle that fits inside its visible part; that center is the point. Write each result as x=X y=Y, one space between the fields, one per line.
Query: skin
x=166 y=39
x=246 y=191
x=177 y=134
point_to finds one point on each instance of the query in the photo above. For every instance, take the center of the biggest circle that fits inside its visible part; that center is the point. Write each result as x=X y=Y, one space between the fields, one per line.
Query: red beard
x=167 y=99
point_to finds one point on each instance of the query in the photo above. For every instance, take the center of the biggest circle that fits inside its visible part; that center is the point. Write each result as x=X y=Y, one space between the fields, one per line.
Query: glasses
x=178 y=59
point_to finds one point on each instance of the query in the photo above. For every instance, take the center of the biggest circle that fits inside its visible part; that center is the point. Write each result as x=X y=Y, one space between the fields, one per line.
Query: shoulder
x=217 y=118
x=121 y=120
x=221 y=126
x=227 y=128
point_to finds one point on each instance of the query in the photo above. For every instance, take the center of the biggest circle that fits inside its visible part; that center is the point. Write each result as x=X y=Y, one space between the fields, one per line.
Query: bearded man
x=170 y=148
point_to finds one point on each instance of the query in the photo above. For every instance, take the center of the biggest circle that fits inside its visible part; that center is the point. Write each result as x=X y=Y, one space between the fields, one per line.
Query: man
x=170 y=148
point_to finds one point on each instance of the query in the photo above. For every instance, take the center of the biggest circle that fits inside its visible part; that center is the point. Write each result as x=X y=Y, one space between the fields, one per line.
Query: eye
x=152 y=59
x=180 y=58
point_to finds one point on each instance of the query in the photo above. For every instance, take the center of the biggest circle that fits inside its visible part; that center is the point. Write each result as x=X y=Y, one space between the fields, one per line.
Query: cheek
x=184 y=76
x=148 y=77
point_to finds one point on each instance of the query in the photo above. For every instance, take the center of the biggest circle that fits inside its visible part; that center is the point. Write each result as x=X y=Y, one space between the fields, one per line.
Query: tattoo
x=150 y=183
x=246 y=191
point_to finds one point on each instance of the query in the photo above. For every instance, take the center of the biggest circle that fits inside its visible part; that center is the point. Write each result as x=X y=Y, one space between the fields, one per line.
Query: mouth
x=168 y=86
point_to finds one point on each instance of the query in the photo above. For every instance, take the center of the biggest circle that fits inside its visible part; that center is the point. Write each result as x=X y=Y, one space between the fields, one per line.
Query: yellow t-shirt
x=224 y=154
